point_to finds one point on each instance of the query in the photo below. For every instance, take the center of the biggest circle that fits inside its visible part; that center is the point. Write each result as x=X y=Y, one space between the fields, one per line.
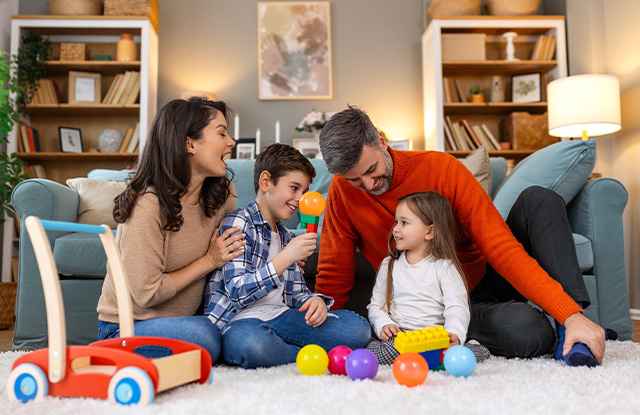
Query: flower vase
x=316 y=133
x=126 y=48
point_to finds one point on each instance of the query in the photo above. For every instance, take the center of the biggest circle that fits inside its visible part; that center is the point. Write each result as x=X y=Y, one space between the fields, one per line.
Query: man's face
x=374 y=170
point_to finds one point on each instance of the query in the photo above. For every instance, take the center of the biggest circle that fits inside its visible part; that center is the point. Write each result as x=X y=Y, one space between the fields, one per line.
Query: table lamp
x=584 y=106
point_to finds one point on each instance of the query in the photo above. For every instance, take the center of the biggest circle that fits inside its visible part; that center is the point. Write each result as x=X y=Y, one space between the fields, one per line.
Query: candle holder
x=510 y=52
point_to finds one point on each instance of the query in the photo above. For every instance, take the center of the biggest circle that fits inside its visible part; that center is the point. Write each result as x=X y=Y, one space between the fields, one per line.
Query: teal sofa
x=595 y=210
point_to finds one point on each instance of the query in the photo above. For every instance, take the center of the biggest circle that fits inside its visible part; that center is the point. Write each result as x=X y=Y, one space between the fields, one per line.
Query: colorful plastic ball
x=312 y=360
x=312 y=203
x=337 y=360
x=361 y=364
x=410 y=369
x=460 y=361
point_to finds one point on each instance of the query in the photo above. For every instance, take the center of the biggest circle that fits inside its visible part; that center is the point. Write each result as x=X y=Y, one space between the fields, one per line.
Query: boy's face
x=282 y=198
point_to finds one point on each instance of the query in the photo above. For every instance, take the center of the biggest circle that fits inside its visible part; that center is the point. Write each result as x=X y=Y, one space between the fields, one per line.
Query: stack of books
x=462 y=136
x=124 y=89
x=131 y=140
x=46 y=94
x=29 y=141
x=544 y=48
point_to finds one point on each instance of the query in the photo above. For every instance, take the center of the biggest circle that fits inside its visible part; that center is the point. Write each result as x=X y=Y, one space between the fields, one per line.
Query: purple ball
x=361 y=364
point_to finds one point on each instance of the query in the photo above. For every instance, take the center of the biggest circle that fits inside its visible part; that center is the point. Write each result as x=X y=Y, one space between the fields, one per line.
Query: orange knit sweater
x=355 y=218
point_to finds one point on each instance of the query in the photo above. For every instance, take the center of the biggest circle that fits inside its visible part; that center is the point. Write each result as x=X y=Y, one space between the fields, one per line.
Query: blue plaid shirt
x=250 y=277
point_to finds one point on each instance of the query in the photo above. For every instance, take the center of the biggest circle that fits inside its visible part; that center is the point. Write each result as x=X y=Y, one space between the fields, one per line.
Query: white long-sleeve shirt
x=428 y=293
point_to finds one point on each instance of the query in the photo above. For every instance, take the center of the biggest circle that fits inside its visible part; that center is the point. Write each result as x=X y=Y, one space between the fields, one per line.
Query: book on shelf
x=35 y=138
x=484 y=140
x=123 y=84
x=134 y=139
x=126 y=140
x=112 y=89
x=131 y=90
x=35 y=171
x=491 y=137
x=23 y=142
x=461 y=138
x=550 y=48
x=467 y=128
x=460 y=92
x=446 y=90
x=448 y=135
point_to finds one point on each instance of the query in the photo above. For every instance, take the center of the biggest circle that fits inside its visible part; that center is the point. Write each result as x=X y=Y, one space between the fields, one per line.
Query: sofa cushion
x=96 y=199
x=584 y=250
x=115 y=175
x=563 y=167
x=80 y=255
x=478 y=163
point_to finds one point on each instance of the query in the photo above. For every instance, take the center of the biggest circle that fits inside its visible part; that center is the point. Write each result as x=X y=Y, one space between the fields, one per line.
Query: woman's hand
x=221 y=248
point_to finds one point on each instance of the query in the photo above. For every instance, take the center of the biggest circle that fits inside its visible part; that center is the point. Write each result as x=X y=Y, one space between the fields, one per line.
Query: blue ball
x=459 y=361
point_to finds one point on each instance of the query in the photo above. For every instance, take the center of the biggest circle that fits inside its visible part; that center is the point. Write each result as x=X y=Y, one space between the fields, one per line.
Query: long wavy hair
x=165 y=166
x=432 y=209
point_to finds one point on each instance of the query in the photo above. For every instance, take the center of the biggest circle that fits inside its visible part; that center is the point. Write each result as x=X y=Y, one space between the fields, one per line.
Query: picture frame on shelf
x=526 y=88
x=245 y=149
x=309 y=147
x=70 y=139
x=84 y=88
x=294 y=35
x=402 y=145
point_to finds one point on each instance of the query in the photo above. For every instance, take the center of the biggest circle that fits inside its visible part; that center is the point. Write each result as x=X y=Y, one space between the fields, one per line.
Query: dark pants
x=501 y=318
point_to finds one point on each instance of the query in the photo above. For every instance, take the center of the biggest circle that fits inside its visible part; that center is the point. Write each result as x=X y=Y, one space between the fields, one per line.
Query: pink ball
x=337 y=358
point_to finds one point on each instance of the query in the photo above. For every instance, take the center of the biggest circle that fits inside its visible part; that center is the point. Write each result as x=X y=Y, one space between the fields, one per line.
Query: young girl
x=421 y=284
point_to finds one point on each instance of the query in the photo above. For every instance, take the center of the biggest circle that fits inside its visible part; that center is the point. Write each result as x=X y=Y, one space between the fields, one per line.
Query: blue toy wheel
x=131 y=385
x=27 y=382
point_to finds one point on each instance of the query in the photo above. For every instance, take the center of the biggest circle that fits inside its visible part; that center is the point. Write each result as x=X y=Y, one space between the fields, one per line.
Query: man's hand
x=580 y=329
x=389 y=331
x=316 y=311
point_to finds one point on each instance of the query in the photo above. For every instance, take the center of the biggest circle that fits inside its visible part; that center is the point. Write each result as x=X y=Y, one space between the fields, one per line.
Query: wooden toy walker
x=108 y=368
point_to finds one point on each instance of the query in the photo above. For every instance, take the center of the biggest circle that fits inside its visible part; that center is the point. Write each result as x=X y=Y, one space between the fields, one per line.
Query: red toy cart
x=105 y=369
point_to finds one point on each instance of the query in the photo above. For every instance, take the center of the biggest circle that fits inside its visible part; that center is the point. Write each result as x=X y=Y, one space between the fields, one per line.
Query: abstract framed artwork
x=84 y=87
x=294 y=50
x=70 y=139
x=525 y=88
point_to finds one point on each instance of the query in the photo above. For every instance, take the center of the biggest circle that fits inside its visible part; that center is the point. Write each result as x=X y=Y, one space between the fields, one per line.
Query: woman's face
x=207 y=154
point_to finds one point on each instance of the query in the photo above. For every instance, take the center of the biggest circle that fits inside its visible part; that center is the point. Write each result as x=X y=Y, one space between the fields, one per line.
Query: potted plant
x=476 y=94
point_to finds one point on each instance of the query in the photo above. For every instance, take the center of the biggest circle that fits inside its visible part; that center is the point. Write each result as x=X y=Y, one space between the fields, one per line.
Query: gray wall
x=212 y=45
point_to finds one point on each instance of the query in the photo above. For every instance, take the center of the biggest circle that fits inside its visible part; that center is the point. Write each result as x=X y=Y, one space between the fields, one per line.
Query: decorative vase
x=126 y=48
x=109 y=141
x=316 y=133
x=497 y=89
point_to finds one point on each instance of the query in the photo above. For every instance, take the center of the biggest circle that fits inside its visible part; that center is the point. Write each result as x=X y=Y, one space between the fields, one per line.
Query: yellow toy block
x=423 y=340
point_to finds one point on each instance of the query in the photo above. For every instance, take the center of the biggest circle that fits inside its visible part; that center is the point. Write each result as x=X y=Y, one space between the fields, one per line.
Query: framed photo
x=294 y=50
x=84 y=87
x=526 y=88
x=309 y=147
x=70 y=140
x=400 y=145
x=245 y=149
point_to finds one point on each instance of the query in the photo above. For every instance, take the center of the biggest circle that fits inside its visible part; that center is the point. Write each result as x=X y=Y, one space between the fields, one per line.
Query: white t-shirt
x=428 y=293
x=271 y=305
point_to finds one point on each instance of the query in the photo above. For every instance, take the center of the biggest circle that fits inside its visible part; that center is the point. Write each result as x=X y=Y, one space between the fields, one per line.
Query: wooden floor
x=7 y=335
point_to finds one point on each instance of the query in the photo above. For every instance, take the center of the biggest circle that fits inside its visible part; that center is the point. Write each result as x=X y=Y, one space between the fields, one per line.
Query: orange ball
x=312 y=203
x=410 y=369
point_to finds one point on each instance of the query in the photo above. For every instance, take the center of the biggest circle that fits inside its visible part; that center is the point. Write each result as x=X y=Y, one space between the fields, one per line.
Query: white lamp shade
x=580 y=103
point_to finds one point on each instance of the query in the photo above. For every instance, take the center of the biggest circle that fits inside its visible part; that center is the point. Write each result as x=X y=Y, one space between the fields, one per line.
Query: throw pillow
x=563 y=167
x=106 y=174
x=96 y=199
x=478 y=163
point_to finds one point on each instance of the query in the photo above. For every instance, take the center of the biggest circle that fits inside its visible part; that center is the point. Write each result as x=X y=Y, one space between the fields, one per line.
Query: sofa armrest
x=596 y=213
x=47 y=200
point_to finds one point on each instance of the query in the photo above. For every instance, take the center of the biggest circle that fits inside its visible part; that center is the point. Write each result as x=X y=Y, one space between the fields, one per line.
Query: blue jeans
x=252 y=343
x=194 y=329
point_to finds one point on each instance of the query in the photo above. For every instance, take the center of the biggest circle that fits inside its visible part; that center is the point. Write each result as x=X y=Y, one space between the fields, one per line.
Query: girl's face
x=209 y=151
x=410 y=232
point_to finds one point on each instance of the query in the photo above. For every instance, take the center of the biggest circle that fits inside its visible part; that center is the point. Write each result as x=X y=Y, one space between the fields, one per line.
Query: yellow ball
x=312 y=360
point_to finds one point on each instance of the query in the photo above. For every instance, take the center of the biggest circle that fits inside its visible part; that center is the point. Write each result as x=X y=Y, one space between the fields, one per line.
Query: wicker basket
x=439 y=8
x=8 y=292
x=513 y=7
x=75 y=7
x=147 y=8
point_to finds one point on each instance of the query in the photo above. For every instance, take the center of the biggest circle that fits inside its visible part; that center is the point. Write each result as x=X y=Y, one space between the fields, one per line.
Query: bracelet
x=211 y=260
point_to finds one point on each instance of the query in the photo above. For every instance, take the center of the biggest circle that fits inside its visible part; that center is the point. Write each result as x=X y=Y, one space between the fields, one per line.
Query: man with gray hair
x=369 y=178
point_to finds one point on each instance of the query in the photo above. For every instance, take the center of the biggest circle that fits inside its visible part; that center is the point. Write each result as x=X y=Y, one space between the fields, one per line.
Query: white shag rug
x=498 y=386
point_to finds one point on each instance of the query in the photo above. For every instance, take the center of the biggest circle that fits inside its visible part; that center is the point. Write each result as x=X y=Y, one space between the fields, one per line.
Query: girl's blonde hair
x=432 y=209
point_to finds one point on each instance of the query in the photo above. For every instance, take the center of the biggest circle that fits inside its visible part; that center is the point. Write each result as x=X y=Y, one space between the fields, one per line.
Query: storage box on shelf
x=540 y=47
x=99 y=35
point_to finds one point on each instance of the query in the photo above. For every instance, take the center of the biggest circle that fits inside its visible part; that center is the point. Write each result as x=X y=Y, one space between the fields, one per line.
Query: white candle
x=236 y=127
x=258 y=141
x=277 y=131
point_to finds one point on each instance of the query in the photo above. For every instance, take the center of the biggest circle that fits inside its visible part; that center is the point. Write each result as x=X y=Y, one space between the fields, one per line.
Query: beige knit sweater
x=149 y=253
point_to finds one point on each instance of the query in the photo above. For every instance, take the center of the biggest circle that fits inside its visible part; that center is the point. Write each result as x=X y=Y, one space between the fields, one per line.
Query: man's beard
x=385 y=178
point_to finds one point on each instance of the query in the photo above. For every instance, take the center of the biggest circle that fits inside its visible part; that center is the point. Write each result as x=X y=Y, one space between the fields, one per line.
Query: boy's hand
x=299 y=248
x=389 y=331
x=316 y=311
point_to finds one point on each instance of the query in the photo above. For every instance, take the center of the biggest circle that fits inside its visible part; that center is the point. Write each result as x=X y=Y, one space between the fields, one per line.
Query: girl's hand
x=389 y=331
x=454 y=340
x=316 y=311
x=221 y=248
